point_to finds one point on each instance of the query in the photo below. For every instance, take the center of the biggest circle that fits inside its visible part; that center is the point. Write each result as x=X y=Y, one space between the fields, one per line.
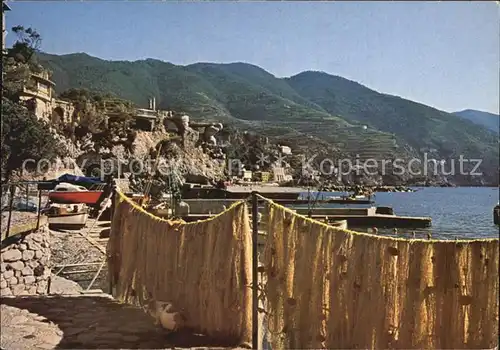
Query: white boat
x=67 y=216
x=67 y=187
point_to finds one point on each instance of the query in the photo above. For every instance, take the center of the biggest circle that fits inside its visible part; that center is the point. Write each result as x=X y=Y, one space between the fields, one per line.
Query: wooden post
x=496 y=215
x=255 y=276
x=39 y=209
x=11 y=200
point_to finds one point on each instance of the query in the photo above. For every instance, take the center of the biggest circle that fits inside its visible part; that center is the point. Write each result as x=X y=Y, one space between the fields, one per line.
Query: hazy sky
x=444 y=54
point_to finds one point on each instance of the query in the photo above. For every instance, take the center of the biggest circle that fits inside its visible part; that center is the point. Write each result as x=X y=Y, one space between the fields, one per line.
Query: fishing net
x=337 y=289
x=202 y=268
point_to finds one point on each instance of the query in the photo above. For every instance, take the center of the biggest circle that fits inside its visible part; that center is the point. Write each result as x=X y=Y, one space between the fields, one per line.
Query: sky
x=443 y=54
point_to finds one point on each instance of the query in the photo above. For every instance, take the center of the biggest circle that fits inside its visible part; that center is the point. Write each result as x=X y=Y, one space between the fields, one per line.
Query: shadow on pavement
x=96 y=322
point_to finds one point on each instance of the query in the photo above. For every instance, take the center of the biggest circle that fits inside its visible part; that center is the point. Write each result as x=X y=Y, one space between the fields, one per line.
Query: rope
x=123 y=197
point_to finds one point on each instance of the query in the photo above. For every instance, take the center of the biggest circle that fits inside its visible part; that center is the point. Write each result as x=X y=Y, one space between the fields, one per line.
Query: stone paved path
x=85 y=322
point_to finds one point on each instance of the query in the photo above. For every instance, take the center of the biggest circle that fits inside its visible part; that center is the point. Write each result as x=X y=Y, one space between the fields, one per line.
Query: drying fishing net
x=202 y=268
x=337 y=289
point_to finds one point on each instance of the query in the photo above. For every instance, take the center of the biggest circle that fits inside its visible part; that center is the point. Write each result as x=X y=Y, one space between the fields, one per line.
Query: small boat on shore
x=61 y=216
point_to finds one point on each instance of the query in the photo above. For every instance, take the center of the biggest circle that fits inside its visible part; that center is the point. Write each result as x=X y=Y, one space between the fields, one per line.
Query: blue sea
x=456 y=212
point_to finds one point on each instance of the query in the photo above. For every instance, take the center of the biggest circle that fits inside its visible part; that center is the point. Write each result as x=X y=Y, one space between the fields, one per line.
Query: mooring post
x=255 y=276
x=11 y=202
x=39 y=209
x=496 y=215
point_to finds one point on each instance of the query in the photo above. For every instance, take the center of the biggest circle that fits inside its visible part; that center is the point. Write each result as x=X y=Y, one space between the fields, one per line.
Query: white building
x=5 y=8
x=286 y=150
x=247 y=175
x=279 y=174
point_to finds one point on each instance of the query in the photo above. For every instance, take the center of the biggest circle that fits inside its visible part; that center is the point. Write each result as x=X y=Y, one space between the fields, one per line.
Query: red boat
x=66 y=193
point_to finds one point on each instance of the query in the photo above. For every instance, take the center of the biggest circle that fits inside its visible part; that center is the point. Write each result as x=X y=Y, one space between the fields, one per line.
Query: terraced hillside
x=307 y=106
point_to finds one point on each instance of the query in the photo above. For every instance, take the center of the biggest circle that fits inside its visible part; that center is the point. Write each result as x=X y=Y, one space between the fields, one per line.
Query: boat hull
x=85 y=197
x=68 y=220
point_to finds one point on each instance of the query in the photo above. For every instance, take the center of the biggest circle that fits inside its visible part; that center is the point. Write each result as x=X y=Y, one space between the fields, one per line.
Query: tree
x=20 y=62
x=24 y=137
x=16 y=76
x=27 y=44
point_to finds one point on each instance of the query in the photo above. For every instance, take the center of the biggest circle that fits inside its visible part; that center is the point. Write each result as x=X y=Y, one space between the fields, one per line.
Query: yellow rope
x=137 y=207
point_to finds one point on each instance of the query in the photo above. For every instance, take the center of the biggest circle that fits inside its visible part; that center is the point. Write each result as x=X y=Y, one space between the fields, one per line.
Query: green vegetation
x=310 y=104
x=489 y=120
x=89 y=117
x=23 y=136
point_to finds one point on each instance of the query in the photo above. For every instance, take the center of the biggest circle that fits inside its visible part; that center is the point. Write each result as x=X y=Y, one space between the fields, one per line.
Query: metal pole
x=113 y=198
x=111 y=215
x=39 y=209
x=255 y=265
x=309 y=211
x=11 y=200
x=27 y=195
x=97 y=274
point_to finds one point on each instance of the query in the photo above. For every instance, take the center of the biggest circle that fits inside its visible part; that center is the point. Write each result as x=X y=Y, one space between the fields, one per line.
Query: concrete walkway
x=86 y=322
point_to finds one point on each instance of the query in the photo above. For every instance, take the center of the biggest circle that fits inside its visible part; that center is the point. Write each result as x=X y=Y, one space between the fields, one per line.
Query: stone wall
x=25 y=265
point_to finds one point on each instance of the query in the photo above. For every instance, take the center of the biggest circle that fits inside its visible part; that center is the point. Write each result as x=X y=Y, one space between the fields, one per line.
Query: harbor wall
x=206 y=206
x=24 y=267
x=338 y=211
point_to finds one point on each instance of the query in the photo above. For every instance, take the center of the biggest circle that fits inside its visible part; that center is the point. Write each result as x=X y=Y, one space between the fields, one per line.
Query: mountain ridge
x=486 y=119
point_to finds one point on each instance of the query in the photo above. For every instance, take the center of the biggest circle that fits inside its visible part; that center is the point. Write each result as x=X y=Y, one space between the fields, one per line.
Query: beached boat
x=66 y=193
x=68 y=220
x=69 y=216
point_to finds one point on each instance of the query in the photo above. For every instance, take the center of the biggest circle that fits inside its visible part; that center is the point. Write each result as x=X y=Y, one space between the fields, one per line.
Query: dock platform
x=380 y=220
x=376 y=220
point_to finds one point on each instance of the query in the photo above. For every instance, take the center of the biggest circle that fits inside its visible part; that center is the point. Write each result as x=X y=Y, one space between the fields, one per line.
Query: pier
x=199 y=209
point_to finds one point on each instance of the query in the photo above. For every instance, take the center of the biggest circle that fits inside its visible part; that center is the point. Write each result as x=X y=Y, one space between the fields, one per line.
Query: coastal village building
x=278 y=174
x=247 y=175
x=44 y=104
x=261 y=176
x=47 y=107
x=286 y=150
x=5 y=8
